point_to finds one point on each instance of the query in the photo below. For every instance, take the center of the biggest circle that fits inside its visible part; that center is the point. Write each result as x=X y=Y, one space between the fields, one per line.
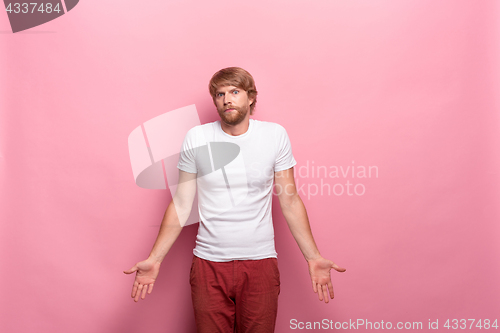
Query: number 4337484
x=33 y=7
x=471 y=323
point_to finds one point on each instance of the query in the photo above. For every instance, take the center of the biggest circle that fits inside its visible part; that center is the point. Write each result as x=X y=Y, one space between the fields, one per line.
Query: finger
x=330 y=288
x=134 y=289
x=314 y=287
x=130 y=271
x=144 y=290
x=338 y=268
x=150 y=288
x=325 y=293
x=139 y=291
x=320 y=293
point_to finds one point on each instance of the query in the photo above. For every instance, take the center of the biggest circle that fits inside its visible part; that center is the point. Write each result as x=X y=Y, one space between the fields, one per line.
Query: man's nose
x=227 y=98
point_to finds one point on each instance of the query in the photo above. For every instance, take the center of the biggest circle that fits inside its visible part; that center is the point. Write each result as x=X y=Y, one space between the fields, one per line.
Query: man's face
x=232 y=104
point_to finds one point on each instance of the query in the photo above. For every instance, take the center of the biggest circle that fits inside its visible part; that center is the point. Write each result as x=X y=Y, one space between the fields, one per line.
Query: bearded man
x=235 y=162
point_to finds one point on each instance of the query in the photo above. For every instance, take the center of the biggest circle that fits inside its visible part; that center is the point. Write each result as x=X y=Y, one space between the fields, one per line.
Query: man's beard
x=233 y=117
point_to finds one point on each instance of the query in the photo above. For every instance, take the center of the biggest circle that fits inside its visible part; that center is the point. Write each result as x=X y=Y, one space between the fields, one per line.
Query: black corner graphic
x=31 y=13
x=70 y=4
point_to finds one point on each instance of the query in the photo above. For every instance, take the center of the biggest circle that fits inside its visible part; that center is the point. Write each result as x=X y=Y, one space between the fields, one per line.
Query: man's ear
x=251 y=99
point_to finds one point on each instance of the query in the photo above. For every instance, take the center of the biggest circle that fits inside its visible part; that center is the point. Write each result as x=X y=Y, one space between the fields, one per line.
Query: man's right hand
x=147 y=271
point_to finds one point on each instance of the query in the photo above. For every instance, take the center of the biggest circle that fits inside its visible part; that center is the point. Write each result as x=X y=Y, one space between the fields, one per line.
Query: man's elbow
x=288 y=201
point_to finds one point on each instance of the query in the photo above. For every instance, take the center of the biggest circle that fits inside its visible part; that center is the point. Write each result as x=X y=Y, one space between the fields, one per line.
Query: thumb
x=338 y=268
x=130 y=271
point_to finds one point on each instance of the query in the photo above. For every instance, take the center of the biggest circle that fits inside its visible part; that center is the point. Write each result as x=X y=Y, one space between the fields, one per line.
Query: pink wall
x=407 y=87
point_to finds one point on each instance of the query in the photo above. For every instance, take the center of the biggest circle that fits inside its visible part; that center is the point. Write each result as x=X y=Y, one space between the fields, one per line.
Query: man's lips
x=228 y=110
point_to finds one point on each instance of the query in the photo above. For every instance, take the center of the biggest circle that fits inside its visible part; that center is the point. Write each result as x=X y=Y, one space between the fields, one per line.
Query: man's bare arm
x=175 y=216
x=295 y=214
x=174 y=219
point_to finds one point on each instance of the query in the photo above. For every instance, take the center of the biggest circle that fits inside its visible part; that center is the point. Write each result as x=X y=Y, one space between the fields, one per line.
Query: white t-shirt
x=235 y=182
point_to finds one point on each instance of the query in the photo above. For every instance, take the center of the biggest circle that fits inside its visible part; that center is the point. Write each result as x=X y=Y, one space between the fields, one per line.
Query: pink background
x=408 y=86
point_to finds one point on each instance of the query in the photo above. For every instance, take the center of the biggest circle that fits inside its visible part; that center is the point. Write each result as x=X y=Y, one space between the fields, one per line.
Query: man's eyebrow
x=220 y=92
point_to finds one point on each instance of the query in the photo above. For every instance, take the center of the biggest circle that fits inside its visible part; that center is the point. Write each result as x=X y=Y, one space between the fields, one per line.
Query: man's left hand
x=319 y=269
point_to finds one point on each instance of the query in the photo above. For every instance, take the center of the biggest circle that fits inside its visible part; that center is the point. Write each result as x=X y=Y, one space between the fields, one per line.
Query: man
x=234 y=163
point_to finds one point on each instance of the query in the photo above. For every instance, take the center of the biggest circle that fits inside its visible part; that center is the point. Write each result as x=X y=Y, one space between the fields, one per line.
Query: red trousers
x=235 y=296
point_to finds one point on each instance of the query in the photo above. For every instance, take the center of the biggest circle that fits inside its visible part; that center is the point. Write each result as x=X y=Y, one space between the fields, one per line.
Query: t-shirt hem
x=183 y=168
x=218 y=259
x=286 y=168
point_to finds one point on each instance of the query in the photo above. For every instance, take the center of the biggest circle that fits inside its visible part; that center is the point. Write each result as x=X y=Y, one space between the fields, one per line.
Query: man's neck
x=236 y=130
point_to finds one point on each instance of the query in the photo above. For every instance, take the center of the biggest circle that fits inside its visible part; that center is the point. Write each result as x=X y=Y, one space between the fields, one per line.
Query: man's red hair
x=234 y=76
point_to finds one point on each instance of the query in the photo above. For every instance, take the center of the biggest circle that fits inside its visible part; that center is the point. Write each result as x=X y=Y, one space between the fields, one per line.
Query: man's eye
x=235 y=92
x=220 y=94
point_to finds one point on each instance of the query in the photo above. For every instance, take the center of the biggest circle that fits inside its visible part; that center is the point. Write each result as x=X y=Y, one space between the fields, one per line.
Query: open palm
x=147 y=271
x=319 y=269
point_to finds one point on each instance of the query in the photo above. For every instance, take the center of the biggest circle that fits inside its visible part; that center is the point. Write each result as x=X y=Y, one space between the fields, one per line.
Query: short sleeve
x=284 y=156
x=187 y=160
